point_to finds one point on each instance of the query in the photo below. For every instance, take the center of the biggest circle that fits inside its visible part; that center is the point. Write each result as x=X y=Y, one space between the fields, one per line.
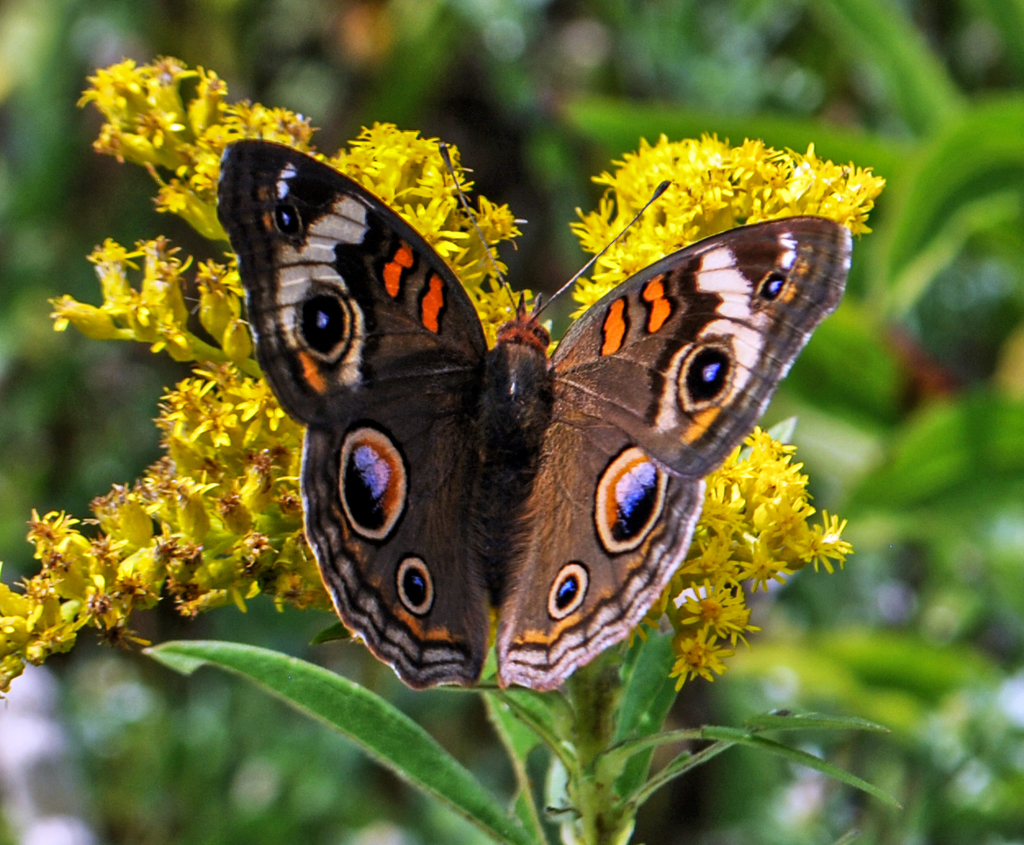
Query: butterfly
x=442 y=479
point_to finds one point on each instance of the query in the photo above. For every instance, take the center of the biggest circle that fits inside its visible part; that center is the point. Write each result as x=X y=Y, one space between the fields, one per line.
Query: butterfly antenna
x=446 y=155
x=657 y=193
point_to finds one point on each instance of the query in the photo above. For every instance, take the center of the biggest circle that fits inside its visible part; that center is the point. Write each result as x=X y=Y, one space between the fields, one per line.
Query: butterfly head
x=526 y=328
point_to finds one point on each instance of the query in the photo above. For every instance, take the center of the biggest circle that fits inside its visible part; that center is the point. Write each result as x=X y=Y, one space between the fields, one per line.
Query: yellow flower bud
x=91 y=321
x=237 y=342
x=192 y=517
x=215 y=314
x=234 y=514
x=256 y=490
x=142 y=568
x=205 y=109
x=136 y=525
x=12 y=603
x=179 y=346
x=10 y=667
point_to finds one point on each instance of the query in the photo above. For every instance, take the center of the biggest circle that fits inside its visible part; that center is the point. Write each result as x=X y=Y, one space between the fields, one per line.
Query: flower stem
x=594 y=694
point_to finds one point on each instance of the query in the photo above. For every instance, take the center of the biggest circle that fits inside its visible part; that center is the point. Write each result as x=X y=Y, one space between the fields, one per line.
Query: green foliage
x=603 y=788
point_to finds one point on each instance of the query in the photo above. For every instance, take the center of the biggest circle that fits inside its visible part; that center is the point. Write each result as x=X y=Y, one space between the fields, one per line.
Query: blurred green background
x=910 y=398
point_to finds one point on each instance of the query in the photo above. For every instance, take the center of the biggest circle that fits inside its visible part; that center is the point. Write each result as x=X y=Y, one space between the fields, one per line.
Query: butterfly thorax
x=515 y=411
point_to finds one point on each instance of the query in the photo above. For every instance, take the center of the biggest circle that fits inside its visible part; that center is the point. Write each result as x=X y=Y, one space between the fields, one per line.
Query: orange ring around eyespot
x=625 y=483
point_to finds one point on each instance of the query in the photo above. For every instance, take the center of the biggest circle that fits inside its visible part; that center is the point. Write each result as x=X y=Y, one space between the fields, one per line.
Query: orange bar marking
x=614 y=330
x=661 y=308
x=433 y=302
x=311 y=373
x=700 y=424
x=393 y=269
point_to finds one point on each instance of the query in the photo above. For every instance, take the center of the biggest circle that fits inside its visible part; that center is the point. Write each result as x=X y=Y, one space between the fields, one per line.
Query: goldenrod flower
x=218 y=520
x=712 y=187
x=754 y=530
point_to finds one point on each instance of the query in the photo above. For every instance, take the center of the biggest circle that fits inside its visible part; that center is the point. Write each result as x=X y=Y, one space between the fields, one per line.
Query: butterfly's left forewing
x=653 y=387
x=685 y=355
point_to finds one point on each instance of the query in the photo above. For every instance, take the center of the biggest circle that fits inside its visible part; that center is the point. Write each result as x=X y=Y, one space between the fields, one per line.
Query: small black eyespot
x=707 y=373
x=415 y=588
x=286 y=217
x=324 y=323
x=772 y=286
x=414 y=585
x=568 y=590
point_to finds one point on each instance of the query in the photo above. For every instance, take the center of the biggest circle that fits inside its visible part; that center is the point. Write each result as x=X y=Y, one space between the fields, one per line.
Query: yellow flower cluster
x=753 y=530
x=713 y=187
x=156 y=312
x=147 y=122
x=218 y=519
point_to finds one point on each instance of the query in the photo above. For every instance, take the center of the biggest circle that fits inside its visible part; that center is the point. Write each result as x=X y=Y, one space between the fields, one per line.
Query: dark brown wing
x=654 y=386
x=367 y=337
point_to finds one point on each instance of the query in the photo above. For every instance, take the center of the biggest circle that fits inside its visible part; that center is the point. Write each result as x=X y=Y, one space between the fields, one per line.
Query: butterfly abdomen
x=514 y=415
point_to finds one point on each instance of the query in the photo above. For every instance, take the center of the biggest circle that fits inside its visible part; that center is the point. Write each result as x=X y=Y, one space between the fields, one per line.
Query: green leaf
x=547 y=715
x=648 y=691
x=878 y=32
x=382 y=731
x=337 y=631
x=977 y=156
x=648 y=694
x=810 y=721
x=725 y=738
x=961 y=456
x=519 y=740
x=795 y=755
x=680 y=765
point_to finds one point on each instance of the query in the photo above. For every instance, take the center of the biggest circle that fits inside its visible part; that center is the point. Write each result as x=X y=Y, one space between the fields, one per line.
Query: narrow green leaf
x=879 y=32
x=795 y=755
x=337 y=631
x=648 y=689
x=725 y=738
x=678 y=766
x=382 y=731
x=976 y=156
x=648 y=694
x=540 y=712
x=810 y=721
x=519 y=740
